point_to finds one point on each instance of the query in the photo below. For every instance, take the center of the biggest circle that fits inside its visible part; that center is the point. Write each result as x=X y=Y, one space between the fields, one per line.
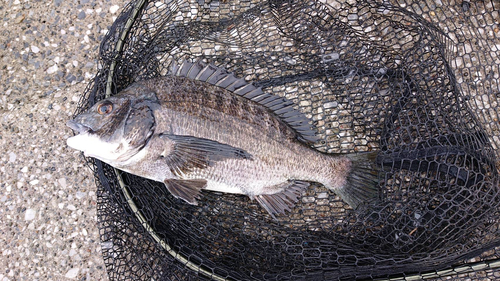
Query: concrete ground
x=48 y=223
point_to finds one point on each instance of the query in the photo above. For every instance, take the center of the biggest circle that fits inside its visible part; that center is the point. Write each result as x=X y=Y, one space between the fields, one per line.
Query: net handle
x=463 y=269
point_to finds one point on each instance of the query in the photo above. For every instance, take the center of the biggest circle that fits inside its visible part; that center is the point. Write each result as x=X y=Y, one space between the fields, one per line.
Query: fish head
x=114 y=129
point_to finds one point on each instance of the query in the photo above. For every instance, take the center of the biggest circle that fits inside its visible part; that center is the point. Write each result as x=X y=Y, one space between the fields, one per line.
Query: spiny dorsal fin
x=280 y=106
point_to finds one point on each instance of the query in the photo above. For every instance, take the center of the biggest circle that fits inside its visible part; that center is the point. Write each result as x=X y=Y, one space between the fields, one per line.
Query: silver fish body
x=202 y=128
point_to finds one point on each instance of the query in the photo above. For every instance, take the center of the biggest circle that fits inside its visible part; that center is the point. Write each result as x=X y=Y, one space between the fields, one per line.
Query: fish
x=201 y=128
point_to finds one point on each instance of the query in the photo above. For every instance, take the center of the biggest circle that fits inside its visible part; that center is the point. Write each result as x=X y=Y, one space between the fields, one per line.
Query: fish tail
x=361 y=185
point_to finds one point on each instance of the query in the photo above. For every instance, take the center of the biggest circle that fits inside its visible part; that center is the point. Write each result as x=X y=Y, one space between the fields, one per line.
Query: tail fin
x=362 y=182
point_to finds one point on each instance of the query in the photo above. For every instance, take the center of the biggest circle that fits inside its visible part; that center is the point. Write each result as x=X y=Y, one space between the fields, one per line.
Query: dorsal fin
x=280 y=106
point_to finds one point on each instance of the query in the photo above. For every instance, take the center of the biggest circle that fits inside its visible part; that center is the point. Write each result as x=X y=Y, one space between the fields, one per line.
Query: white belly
x=221 y=187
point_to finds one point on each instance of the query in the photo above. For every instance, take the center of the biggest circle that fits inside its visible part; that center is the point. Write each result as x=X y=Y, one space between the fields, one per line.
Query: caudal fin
x=362 y=182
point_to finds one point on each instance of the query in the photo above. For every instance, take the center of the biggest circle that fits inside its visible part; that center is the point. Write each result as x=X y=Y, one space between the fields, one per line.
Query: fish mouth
x=78 y=127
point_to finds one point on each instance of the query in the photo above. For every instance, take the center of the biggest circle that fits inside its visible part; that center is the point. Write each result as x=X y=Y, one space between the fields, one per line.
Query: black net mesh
x=417 y=81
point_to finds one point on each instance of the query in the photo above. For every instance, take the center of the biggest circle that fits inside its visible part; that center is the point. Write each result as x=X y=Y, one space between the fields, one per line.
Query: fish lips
x=78 y=127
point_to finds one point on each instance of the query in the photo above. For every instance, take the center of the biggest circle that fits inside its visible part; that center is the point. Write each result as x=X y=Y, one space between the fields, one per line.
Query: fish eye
x=105 y=108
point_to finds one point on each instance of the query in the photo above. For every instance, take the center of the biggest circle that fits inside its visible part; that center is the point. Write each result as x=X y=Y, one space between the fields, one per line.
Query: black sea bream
x=202 y=128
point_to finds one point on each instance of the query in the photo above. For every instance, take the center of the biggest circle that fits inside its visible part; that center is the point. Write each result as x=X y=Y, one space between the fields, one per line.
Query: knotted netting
x=417 y=81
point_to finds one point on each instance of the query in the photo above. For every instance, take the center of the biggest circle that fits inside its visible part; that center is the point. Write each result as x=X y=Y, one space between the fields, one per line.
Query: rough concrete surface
x=48 y=223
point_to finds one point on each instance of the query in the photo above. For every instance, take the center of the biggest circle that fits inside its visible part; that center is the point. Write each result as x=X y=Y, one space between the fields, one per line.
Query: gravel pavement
x=48 y=222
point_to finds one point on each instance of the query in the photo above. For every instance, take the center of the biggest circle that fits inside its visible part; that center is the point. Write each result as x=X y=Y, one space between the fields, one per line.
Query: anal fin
x=283 y=201
x=187 y=190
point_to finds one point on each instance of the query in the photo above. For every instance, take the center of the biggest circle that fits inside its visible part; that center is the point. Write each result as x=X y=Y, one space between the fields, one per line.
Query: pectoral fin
x=187 y=190
x=283 y=201
x=188 y=153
